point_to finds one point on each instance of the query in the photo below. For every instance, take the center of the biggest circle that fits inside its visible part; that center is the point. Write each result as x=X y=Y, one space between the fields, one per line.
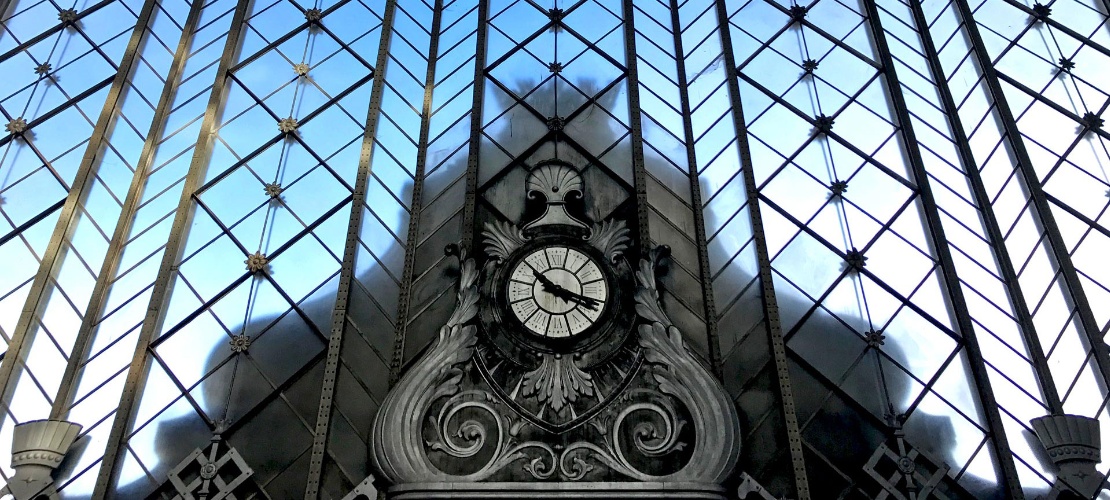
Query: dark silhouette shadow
x=282 y=345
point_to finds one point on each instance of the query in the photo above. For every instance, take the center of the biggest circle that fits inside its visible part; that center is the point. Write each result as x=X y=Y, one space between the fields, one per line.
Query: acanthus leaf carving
x=557 y=381
x=397 y=449
x=610 y=238
x=647 y=294
x=455 y=340
x=501 y=239
x=671 y=422
x=680 y=375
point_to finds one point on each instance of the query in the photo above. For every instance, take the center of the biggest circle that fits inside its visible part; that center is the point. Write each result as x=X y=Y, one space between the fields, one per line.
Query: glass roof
x=888 y=218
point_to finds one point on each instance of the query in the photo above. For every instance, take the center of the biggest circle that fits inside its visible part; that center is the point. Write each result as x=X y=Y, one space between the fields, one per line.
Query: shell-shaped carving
x=555 y=181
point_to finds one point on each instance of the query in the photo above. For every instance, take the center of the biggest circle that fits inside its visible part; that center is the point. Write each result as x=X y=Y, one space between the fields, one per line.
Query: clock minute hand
x=562 y=293
x=587 y=302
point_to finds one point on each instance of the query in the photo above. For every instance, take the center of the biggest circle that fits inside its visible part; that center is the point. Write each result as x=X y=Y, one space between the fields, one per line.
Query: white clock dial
x=557 y=292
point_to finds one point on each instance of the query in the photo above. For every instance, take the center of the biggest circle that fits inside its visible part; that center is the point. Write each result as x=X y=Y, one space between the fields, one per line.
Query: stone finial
x=1072 y=442
x=37 y=449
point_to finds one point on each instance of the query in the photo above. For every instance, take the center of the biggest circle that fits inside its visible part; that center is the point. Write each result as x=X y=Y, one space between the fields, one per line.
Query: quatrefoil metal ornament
x=274 y=190
x=855 y=260
x=287 y=125
x=240 y=343
x=798 y=13
x=211 y=476
x=257 y=263
x=904 y=473
x=17 y=126
x=809 y=66
x=67 y=16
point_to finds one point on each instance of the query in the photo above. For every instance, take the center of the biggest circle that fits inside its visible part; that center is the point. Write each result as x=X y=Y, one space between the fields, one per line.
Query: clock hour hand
x=559 y=292
x=547 y=283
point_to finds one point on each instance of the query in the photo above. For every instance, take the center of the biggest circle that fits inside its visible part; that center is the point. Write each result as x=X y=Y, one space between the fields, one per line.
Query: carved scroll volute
x=717 y=423
x=397 y=444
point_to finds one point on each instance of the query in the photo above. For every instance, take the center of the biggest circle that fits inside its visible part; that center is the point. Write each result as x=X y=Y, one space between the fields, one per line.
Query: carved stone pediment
x=600 y=395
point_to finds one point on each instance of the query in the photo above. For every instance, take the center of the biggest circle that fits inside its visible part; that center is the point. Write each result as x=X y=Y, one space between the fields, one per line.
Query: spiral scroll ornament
x=454 y=418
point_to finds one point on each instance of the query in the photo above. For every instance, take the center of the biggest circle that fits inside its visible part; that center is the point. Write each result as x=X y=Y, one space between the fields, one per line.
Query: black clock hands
x=568 y=295
x=559 y=292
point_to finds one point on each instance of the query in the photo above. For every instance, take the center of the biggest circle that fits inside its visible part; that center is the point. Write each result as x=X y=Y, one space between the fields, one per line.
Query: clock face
x=557 y=291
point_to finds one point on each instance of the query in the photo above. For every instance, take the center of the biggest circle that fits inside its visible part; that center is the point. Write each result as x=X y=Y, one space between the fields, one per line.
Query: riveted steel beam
x=636 y=131
x=347 y=271
x=704 y=273
x=1092 y=333
x=417 y=205
x=770 y=299
x=990 y=221
x=951 y=284
x=52 y=258
x=470 y=205
x=108 y=269
x=136 y=374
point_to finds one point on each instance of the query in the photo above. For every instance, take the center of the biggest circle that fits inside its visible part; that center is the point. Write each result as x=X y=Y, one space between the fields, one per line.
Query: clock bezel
x=524 y=263
x=509 y=334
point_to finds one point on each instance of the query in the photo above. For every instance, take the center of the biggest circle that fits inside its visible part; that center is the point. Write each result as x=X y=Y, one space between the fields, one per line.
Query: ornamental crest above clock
x=557 y=364
x=557 y=308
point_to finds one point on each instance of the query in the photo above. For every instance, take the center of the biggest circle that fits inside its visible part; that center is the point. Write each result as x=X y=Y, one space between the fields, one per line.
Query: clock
x=556 y=285
x=557 y=291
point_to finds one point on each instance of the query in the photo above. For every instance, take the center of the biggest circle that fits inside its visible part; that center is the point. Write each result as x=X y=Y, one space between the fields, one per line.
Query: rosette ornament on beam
x=559 y=370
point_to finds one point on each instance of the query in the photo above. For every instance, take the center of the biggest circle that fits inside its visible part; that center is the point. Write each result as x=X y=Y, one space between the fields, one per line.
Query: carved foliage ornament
x=684 y=411
x=558 y=380
x=621 y=399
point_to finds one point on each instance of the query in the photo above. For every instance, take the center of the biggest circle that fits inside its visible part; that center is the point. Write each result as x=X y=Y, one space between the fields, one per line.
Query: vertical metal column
x=770 y=300
x=639 y=170
x=350 y=251
x=86 y=172
x=417 y=201
x=135 y=382
x=472 y=159
x=990 y=222
x=4 y=6
x=70 y=380
x=951 y=280
x=710 y=307
x=1033 y=185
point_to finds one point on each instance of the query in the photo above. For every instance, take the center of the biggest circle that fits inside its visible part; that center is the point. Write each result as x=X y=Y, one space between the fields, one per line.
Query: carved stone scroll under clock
x=558 y=370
